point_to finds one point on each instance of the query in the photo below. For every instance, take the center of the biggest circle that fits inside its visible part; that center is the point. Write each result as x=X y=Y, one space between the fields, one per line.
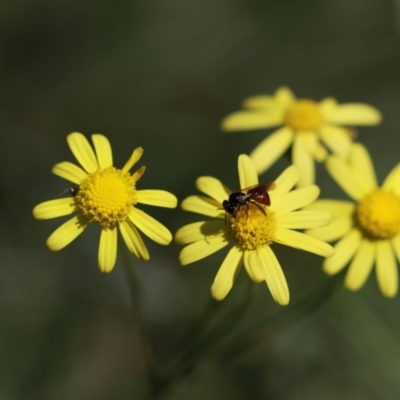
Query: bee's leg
x=262 y=209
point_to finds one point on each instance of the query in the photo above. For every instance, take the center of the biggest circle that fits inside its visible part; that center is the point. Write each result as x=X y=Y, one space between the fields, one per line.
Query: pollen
x=304 y=115
x=252 y=228
x=378 y=214
x=107 y=196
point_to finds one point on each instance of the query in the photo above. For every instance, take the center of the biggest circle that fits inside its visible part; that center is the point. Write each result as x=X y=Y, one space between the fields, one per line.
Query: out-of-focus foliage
x=162 y=75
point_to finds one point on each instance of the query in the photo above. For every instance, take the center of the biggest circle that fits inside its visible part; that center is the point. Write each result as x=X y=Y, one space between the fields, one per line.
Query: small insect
x=73 y=190
x=257 y=194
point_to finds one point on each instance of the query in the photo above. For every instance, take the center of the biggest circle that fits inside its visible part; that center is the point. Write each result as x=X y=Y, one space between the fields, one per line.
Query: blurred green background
x=162 y=75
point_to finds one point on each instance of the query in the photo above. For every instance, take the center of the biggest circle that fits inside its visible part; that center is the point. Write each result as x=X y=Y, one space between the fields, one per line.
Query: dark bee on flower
x=257 y=195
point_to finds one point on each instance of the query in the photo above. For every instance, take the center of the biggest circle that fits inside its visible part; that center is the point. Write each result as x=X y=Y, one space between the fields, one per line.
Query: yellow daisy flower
x=368 y=229
x=251 y=229
x=107 y=196
x=305 y=124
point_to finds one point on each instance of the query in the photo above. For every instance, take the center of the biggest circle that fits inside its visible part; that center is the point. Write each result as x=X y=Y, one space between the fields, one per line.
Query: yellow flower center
x=378 y=214
x=252 y=228
x=107 y=196
x=304 y=115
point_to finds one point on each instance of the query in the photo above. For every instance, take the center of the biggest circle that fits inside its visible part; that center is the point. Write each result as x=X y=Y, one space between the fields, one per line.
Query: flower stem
x=137 y=315
x=200 y=339
x=256 y=334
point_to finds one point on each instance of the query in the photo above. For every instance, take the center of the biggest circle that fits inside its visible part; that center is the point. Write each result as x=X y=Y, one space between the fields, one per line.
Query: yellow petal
x=396 y=246
x=284 y=183
x=342 y=173
x=284 y=97
x=260 y=101
x=336 y=138
x=253 y=267
x=327 y=105
x=247 y=172
x=69 y=171
x=201 y=249
x=158 y=198
x=339 y=227
x=386 y=269
x=203 y=205
x=392 y=181
x=255 y=119
x=82 y=151
x=304 y=219
x=361 y=265
x=66 y=233
x=354 y=114
x=213 y=187
x=200 y=231
x=138 y=174
x=313 y=146
x=103 y=150
x=303 y=161
x=55 y=208
x=344 y=251
x=273 y=274
x=227 y=273
x=133 y=159
x=362 y=167
x=133 y=240
x=303 y=242
x=150 y=227
x=338 y=208
x=271 y=148
x=107 y=249
x=295 y=199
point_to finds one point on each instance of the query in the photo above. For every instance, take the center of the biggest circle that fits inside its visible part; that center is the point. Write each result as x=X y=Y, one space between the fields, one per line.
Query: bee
x=257 y=194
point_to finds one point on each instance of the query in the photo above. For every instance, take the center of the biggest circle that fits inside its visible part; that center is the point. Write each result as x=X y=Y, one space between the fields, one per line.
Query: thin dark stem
x=256 y=334
x=137 y=315
x=200 y=341
x=197 y=342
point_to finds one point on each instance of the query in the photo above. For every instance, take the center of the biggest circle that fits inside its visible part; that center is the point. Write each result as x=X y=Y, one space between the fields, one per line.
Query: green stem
x=137 y=315
x=197 y=342
x=258 y=333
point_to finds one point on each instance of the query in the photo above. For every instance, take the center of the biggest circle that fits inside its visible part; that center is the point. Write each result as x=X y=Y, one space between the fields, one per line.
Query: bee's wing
x=259 y=188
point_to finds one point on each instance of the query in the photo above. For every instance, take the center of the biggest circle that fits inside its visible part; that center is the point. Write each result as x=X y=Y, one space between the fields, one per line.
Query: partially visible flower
x=106 y=196
x=251 y=229
x=304 y=124
x=368 y=229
